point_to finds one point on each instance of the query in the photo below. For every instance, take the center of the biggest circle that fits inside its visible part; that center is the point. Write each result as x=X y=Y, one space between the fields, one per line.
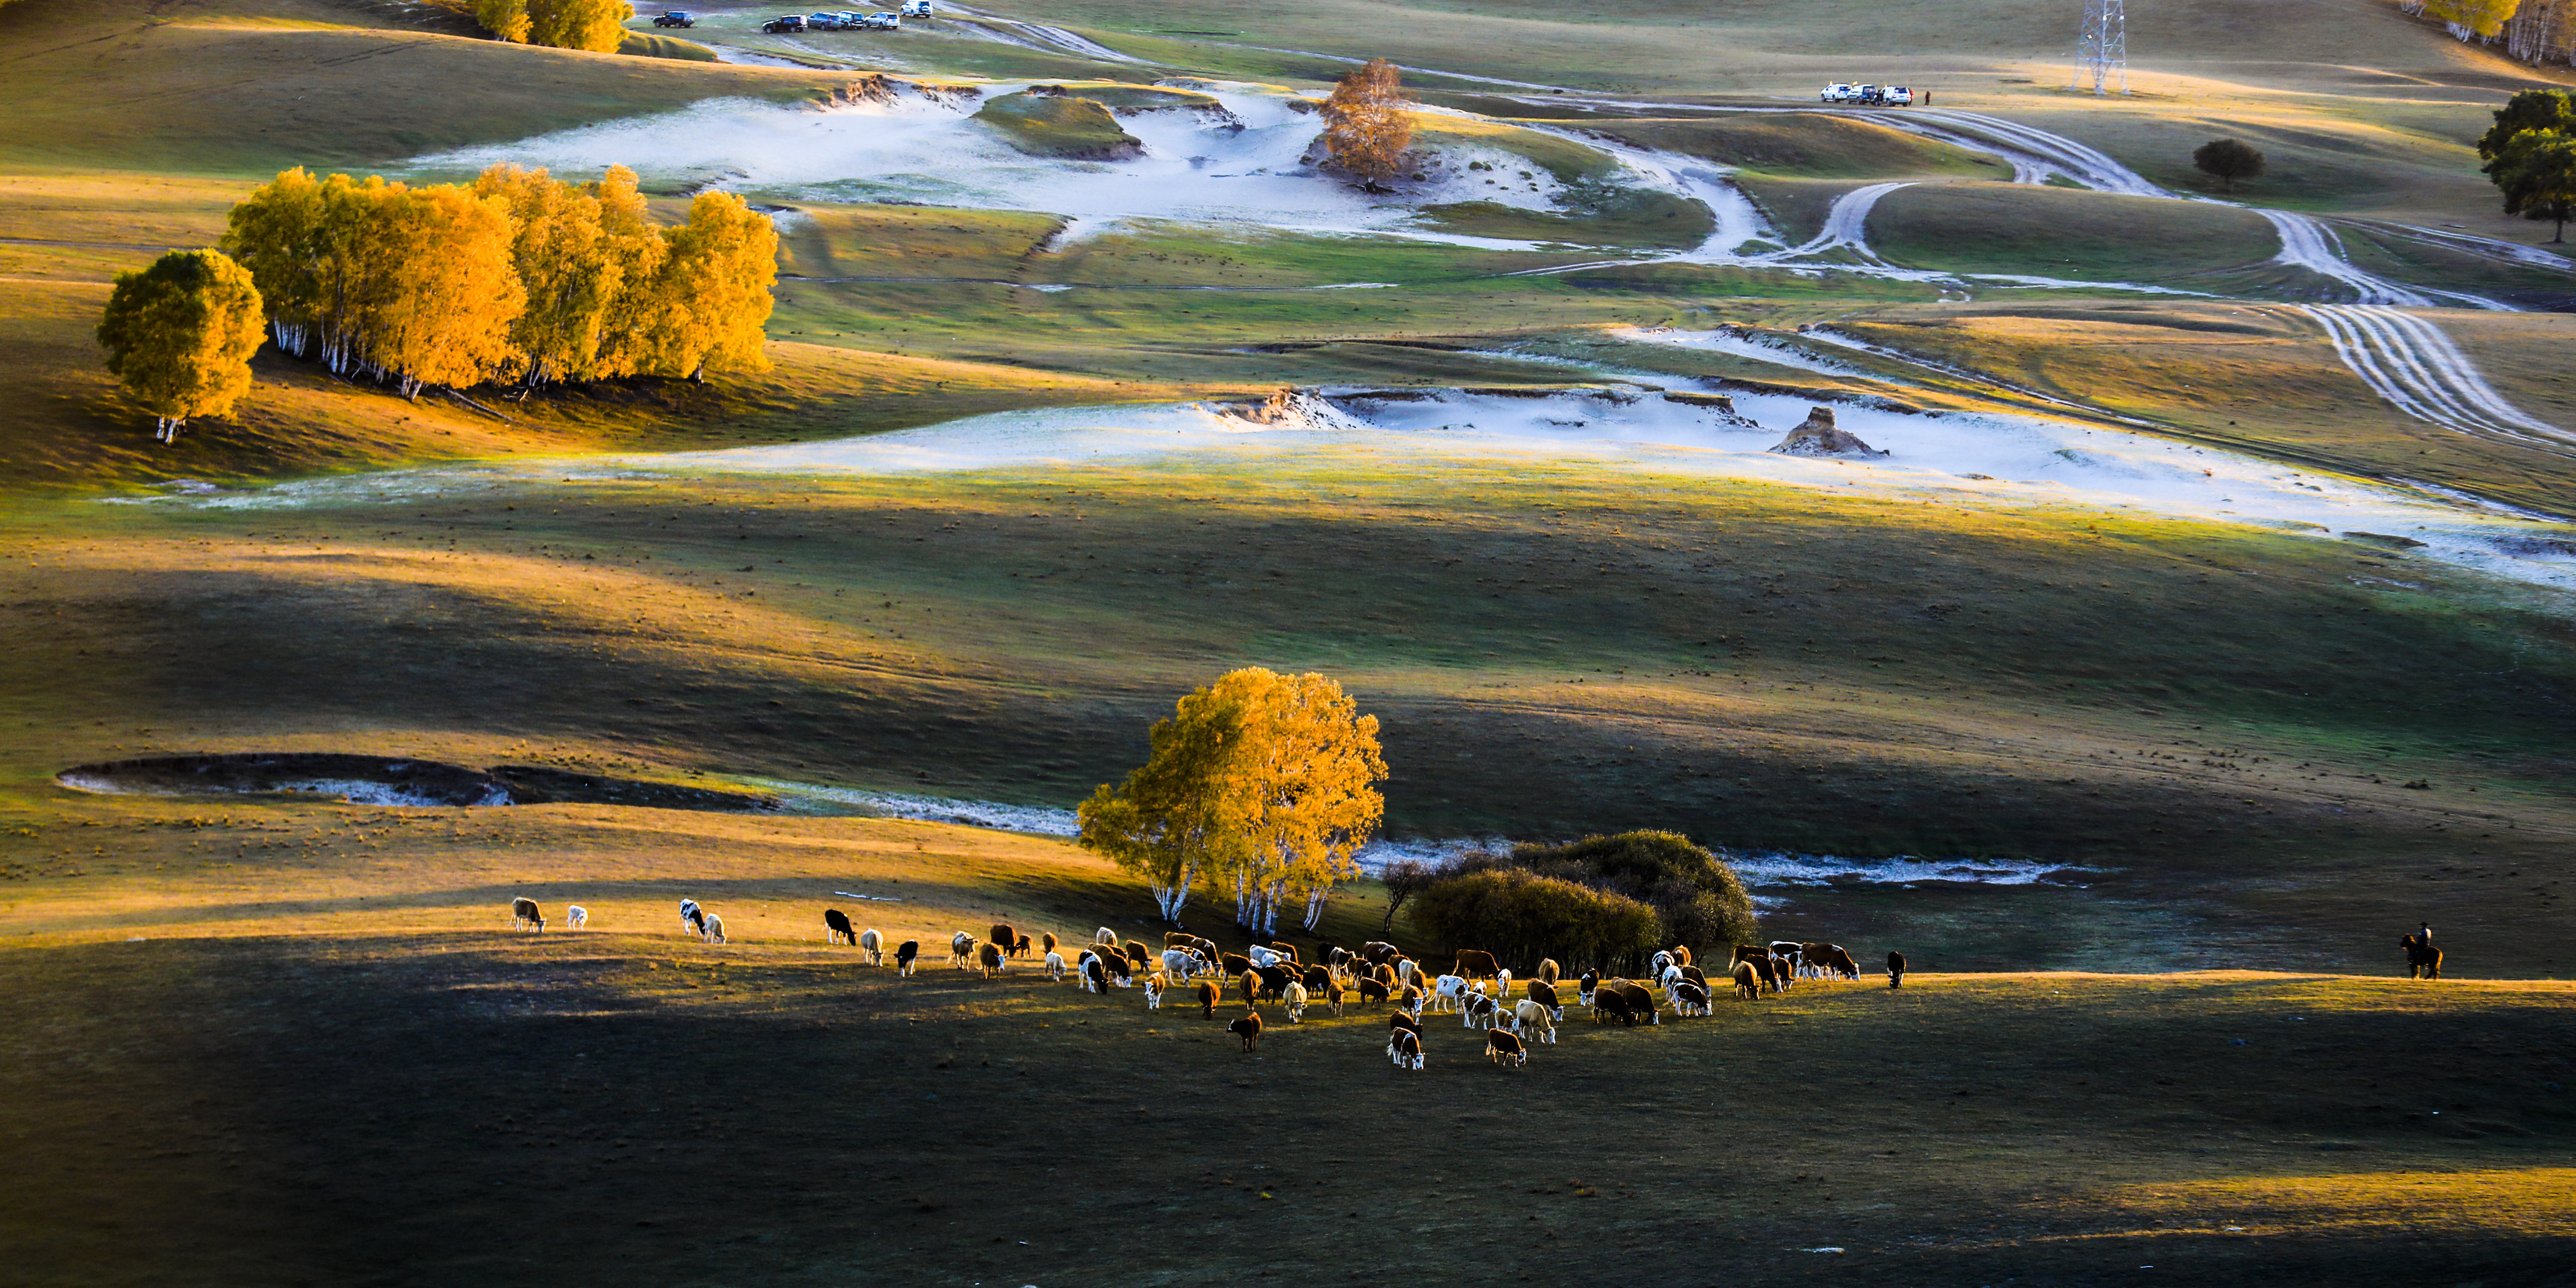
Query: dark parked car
x=786 y=23
x=676 y=18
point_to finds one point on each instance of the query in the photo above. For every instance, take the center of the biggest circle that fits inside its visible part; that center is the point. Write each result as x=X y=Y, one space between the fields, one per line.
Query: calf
x=993 y=960
x=692 y=918
x=1610 y=1003
x=1005 y=934
x=1690 y=999
x=1480 y=1009
x=576 y=916
x=1404 y=1047
x=1545 y=995
x=524 y=915
x=1293 y=1000
x=1207 y=999
x=1154 y=986
x=1475 y=963
x=1504 y=1047
x=1055 y=965
x=961 y=949
x=715 y=928
x=837 y=927
x=906 y=956
x=872 y=944
x=1249 y=1029
x=1748 y=982
x=1020 y=946
x=1534 y=1022
x=1896 y=970
x=1640 y=1001
x=1448 y=993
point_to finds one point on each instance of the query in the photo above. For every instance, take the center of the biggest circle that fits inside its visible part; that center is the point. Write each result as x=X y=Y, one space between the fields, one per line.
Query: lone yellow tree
x=180 y=335
x=1366 y=124
x=594 y=25
x=1265 y=781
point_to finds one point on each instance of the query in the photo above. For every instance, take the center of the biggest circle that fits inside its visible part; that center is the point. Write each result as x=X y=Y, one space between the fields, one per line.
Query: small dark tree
x=2532 y=109
x=2228 y=160
x=2537 y=174
x=1404 y=879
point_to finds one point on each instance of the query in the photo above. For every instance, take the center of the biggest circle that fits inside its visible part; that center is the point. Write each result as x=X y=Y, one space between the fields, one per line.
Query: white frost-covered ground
x=1196 y=166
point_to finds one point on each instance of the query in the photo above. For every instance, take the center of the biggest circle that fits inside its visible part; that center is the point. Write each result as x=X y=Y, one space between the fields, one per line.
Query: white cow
x=576 y=916
x=1448 y=993
x=1534 y=1023
x=1293 y=998
x=715 y=928
x=873 y=945
x=1055 y=966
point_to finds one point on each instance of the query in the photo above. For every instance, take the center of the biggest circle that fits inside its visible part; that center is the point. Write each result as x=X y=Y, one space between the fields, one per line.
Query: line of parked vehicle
x=847 y=20
x=1867 y=95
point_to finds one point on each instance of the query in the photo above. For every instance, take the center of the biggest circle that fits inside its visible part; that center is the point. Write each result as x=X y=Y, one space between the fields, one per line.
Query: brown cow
x=1249 y=1029
x=1377 y=951
x=1476 y=963
x=1287 y=950
x=1207 y=999
x=1641 y=1000
x=1373 y=989
x=1504 y=1046
x=1005 y=934
x=990 y=957
x=1748 y=985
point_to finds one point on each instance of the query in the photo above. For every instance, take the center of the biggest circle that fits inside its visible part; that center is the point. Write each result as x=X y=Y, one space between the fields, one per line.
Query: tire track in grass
x=2409 y=362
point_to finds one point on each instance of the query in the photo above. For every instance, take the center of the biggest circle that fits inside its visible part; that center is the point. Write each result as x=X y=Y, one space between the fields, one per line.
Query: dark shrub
x=1520 y=917
x=1698 y=899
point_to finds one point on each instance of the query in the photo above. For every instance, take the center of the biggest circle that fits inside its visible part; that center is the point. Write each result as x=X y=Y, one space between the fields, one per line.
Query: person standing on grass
x=1896 y=970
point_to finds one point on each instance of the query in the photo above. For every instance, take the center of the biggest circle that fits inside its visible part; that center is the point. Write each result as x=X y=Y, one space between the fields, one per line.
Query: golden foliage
x=1264 y=781
x=2482 y=18
x=594 y=25
x=180 y=335
x=1366 y=124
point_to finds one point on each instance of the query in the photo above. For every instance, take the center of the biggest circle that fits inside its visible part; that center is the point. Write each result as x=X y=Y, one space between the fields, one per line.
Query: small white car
x=1838 y=92
x=1898 y=96
x=916 y=8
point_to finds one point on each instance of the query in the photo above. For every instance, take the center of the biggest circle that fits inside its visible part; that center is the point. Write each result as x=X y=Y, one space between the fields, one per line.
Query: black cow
x=905 y=954
x=1896 y=970
x=837 y=928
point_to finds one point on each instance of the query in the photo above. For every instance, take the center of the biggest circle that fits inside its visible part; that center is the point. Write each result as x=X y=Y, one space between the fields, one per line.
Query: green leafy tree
x=180 y=335
x=2538 y=176
x=2228 y=160
x=2532 y=109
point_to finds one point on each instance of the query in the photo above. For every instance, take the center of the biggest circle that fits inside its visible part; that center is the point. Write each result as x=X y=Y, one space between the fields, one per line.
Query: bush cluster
x=1607 y=901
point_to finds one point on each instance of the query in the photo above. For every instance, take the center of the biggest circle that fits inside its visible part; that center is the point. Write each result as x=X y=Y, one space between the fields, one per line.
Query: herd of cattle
x=1477 y=988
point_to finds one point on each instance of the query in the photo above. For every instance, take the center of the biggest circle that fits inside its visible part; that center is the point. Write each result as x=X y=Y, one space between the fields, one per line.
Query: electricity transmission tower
x=2102 y=51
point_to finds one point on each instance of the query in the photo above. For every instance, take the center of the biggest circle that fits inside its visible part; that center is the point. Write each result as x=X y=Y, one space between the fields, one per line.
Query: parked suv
x=1898 y=96
x=1838 y=92
x=823 y=22
x=676 y=18
x=916 y=8
x=783 y=24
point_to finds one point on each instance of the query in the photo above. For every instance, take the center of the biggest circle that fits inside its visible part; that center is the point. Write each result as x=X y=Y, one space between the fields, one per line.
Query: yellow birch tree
x=714 y=291
x=560 y=253
x=1366 y=124
x=444 y=291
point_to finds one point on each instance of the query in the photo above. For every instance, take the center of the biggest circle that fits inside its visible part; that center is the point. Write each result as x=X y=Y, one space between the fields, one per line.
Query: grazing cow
x=1333 y=995
x=1293 y=999
x=1179 y=939
x=1248 y=987
x=1794 y=951
x=2423 y=960
x=524 y=915
x=1748 y=982
x=1095 y=978
x=1114 y=966
x=1315 y=978
x=1399 y=1022
x=837 y=927
x=1234 y=964
x=1504 y=1047
x=1020 y=946
x=1275 y=980
x=1003 y=933
x=961 y=949
x=1640 y=1000
x=693 y=920
x=1261 y=956
x=1055 y=966
x=1692 y=973
x=1154 y=986
x=1338 y=957
x=1475 y=963
x=1690 y=999
x=1105 y=935
x=1183 y=964
x=1448 y=993
x=1832 y=962
x=575 y=916
x=1480 y=1009
x=993 y=959
x=1207 y=999
x=1249 y=1029
x=1783 y=973
x=1611 y=1003
x=1373 y=989
x=1896 y=970
x=1384 y=974
x=1534 y=1022
x=1412 y=999
x=1047 y=942
x=873 y=945
x=907 y=955
x=1404 y=1047
x=1586 y=986
x=1378 y=951
x=1681 y=955
x=1548 y=970
x=1661 y=962
x=1762 y=970
x=1409 y=970
x=1545 y=995
x=1136 y=953
x=715 y=928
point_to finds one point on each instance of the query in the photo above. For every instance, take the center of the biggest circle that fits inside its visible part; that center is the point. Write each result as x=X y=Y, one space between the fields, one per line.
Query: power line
x=2102 y=48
